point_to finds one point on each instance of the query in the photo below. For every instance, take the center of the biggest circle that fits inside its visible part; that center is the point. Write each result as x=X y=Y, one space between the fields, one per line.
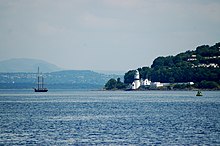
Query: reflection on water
x=109 y=118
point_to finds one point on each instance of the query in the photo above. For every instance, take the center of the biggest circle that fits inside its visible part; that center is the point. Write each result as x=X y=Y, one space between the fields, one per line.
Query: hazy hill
x=67 y=79
x=78 y=76
x=21 y=73
x=27 y=65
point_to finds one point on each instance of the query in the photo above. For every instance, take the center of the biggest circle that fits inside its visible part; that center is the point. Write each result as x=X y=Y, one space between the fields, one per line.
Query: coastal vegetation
x=112 y=84
x=200 y=66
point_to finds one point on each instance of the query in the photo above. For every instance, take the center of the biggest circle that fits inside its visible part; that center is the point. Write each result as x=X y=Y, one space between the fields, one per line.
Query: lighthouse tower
x=137 y=83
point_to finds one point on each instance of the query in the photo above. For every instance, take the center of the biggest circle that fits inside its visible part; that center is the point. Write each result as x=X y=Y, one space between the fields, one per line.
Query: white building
x=137 y=83
x=156 y=85
x=146 y=82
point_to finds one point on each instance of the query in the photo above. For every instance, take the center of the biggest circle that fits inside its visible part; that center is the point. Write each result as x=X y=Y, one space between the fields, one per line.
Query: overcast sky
x=105 y=34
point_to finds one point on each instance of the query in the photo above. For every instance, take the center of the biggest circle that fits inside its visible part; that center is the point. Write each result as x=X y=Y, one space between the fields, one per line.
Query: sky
x=105 y=34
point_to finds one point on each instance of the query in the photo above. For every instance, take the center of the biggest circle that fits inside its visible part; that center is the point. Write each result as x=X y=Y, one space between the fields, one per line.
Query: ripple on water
x=104 y=118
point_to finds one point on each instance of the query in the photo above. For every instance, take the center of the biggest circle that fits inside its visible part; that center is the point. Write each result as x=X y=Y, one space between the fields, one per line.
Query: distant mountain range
x=68 y=79
x=27 y=65
x=21 y=73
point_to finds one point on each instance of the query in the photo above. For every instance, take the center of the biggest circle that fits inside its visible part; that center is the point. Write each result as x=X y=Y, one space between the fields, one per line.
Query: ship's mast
x=38 y=79
x=42 y=82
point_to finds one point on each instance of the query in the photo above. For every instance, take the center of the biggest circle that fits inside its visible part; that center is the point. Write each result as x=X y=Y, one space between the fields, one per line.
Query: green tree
x=145 y=73
x=171 y=79
x=129 y=77
x=111 y=84
x=208 y=85
x=158 y=62
x=120 y=85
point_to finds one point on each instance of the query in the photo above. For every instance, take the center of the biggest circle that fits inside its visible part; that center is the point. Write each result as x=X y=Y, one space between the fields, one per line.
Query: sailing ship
x=40 y=83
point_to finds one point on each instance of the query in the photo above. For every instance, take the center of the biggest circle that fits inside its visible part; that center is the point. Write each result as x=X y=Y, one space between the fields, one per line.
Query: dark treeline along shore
x=199 y=66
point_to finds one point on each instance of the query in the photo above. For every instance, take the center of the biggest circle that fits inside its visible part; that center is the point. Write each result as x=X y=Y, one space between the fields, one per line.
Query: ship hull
x=40 y=90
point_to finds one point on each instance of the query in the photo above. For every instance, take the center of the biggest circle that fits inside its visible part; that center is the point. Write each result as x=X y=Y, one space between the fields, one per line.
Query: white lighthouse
x=137 y=83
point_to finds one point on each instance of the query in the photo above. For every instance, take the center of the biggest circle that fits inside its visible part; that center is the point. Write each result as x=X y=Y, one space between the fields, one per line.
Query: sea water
x=65 y=117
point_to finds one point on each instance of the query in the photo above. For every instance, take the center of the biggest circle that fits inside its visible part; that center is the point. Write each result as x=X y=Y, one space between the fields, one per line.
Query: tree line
x=200 y=66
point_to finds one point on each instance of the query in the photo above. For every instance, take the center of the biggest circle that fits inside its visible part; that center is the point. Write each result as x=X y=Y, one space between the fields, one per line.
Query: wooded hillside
x=200 y=66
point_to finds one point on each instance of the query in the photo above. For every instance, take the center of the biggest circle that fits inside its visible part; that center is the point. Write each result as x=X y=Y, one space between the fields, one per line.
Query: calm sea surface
x=64 y=117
